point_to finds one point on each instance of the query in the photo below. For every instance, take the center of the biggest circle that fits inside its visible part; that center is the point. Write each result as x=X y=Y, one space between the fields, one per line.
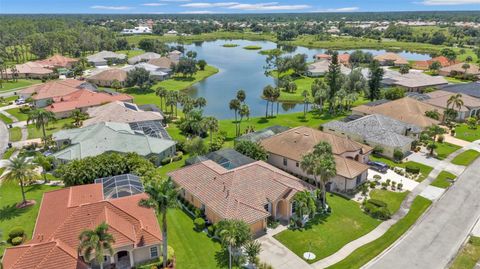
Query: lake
x=243 y=69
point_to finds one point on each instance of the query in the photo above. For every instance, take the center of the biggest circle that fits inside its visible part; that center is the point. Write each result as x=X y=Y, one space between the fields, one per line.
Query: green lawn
x=192 y=249
x=5 y=119
x=392 y=199
x=367 y=252
x=463 y=132
x=11 y=217
x=444 y=149
x=130 y=53
x=7 y=100
x=442 y=180
x=51 y=128
x=466 y=157
x=8 y=153
x=327 y=234
x=17 y=114
x=424 y=169
x=21 y=83
x=15 y=134
x=469 y=255
x=176 y=83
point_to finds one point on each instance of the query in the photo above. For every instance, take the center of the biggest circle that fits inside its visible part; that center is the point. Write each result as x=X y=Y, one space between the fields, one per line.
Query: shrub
x=410 y=168
x=397 y=155
x=384 y=185
x=17 y=240
x=211 y=230
x=373 y=184
x=197 y=212
x=376 y=211
x=16 y=232
x=199 y=224
x=388 y=182
x=377 y=177
x=166 y=161
x=440 y=138
x=399 y=186
x=377 y=202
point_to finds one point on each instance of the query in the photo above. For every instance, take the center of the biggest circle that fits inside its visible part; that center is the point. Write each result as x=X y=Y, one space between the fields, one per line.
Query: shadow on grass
x=11 y=211
x=188 y=79
x=32 y=188
x=138 y=91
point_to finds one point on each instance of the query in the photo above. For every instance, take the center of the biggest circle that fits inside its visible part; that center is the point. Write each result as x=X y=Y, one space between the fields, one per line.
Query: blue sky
x=228 y=6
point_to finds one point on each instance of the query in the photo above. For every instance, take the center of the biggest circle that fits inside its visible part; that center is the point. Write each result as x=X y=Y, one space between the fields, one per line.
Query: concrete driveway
x=434 y=241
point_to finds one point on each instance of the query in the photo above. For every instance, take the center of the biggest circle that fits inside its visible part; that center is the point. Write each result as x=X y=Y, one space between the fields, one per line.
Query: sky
x=228 y=6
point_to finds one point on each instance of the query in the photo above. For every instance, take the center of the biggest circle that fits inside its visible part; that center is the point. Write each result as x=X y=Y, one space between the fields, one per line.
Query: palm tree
x=233 y=234
x=465 y=67
x=305 y=102
x=162 y=196
x=211 y=123
x=200 y=102
x=78 y=116
x=455 y=101
x=41 y=118
x=308 y=164
x=275 y=96
x=44 y=162
x=241 y=96
x=21 y=170
x=433 y=131
x=326 y=169
x=162 y=93
x=235 y=105
x=252 y=249
x=96 y=242
x=243 y=112
x=435 y=66
x=267 y=95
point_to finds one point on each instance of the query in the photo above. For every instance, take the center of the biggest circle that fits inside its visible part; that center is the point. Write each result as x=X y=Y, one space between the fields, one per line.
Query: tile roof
x=53 y=89
x=162 y=62
x=297 y=142
x=390 y=56
x=57 y=60
x=404 y=109
x=83 y=99
x=323 y=65
x=144 y=57
x=239 y=193
x=412 y=79
x=110 y=75
x=378 y=129
x=119 y=111
x=65 y=213
x=103 y=55
x=439 y=98
x=472 y=88
x=474 y=69
x=153 y=69
x=31 y=68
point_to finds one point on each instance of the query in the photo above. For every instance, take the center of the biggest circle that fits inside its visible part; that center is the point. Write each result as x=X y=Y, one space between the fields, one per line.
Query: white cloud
x=197 y=12
x=449 y=2
x=175 y=1
x=268 y=6
x=111 y=7
x=341 y=9
x=153 y=4
x=209 y=5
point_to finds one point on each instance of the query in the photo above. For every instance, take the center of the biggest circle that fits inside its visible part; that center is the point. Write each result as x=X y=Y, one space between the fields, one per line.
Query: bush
x=410 y=168
x=440 y=138
x=166 y=161
x=399 y=186
x=16 y=241
x=197 y=212
x=377 y=203
x=397 y=155
x=16 y=232
x=373 y=184
x=211 y=230
x=199 y=224
x=378 y=212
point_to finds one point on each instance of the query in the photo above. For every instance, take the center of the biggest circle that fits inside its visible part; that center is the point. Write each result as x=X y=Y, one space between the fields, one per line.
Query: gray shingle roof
x=472 y=89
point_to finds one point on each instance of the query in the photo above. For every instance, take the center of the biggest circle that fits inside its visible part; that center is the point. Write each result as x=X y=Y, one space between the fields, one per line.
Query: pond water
x=243 y=69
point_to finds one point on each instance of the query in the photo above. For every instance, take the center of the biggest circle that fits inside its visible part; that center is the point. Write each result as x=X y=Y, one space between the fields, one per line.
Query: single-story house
x=261 y=134
x=457 y=69
x=470 y=107
x=104 y=137
x=119 y=111
x=251 y=192
x=391 y=59
x=155 y=72
x=320 y=68
x=377 y=130
x=286 y=150
x=472 y=88
x=425 y=65
x=66 y=212
x=406 y=109
x=30 y=70
x=412 y=81
x=57 y=61
x=163 y=63
x=106 y=77
x=174 y=56
x=104 y=57
x=145 y=57
x=343 y=58
x=227 y=158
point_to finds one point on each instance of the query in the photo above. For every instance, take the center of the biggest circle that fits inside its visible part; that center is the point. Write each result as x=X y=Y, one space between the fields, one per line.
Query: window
x=297 y=164
x=285 y=161
x=153 y=252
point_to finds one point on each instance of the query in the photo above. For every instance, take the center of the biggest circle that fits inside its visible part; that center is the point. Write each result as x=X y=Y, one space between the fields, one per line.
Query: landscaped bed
x=328 y=233
x=424 y=169
x=466 y=157
x=443 y=180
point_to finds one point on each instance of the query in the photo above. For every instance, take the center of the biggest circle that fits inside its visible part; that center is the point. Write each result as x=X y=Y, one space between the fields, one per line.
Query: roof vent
x=305 y=134
x=297 y=132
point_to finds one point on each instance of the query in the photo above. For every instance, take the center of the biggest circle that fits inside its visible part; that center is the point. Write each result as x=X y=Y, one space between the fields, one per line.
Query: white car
x=19 y=101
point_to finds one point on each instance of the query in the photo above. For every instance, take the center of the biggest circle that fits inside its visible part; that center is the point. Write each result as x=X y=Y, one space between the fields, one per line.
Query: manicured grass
x=466 y=157
x=8 y=100
x=176 y=83
x=15 y=134
x=392 y=199
x=326 y=234
x=21 y=83
x=17 y=114
x=444 y=149
x=367 y=252
x=468 y=255
x=442 y=180
x=11 y=217
x=8 y=153
x=5 y=119
x=192 y=249
x=253 y=47
x=463 y=132
x=172 y=166
x=51 y=128
x=230 y=45
x=424 y=169
x=130 y=53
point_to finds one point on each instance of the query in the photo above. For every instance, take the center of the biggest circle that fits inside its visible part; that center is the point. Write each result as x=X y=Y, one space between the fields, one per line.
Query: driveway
x=434 y=241
x=4 y=136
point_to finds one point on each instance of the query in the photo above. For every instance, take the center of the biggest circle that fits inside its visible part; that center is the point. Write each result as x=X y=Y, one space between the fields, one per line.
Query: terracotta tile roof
x=473 y=70
x=444 y=61
x=119 y=112
x=53 y=89
x=110 y=75
x=31 y=68
x=65 y=213
x=239 y=193
x=439 y=98
x=57 y=60
x=85 y=99
x=404 y=109
x=344 y=58
x=390 y=56
x=297 y=142
x=162 y=62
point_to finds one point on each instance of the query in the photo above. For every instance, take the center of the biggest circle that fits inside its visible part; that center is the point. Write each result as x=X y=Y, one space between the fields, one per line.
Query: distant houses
x=144 y=57
x=106 y=78
x=320 y=68
x=104 y=57
x=156 y=73
x=412 y=81
x=458 y=69
x=30 y=70
x=391 y=59
x=58 y=61
x=425 y=65
x=137 y=30
x=439 y=98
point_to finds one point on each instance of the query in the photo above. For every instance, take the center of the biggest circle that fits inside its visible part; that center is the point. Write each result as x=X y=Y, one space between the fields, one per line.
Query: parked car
x=20 y=101
x=379 y=166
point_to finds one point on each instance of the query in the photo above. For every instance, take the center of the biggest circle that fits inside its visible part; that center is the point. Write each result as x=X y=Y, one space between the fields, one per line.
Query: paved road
x=3 y=138
x=434 y=241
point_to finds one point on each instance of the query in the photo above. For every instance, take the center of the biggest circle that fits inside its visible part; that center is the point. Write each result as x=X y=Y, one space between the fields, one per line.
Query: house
x=155 y=72
x=171 y=32
x=66 y=212
x=252 y=192
x=322 y=57
x=425 y=65
x=406 y=109
x=163 y=63
x=44 y=94
x=105 y=78
x=261 y=134
x=391 y=59
x=412 y=81
x=145 y=57
x=137 y=30
x=57 y=61
x=343 y=58
x=119 y=111
x=30 y=70
x=457 y=69
x=320 y=68
x=286 y=150
x=104 y=137
x=105 y=57
x=174 y=56
x=472 y=88
x=83 y=99
x=377 y=130
x=227 y=158
x=470 y=107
